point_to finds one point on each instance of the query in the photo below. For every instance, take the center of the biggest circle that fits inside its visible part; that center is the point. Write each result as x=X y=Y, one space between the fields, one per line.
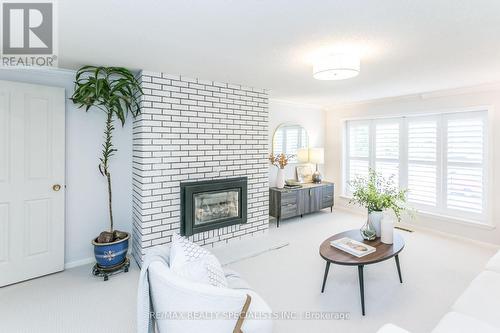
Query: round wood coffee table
x=333 y=255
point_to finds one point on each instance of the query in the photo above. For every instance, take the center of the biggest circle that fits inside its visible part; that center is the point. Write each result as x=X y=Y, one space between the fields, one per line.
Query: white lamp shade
x=303 y=155
x=316 y=155
x=336 y=67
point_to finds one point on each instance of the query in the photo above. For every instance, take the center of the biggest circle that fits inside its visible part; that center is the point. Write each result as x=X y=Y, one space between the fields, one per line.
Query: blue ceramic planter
x=111 y=254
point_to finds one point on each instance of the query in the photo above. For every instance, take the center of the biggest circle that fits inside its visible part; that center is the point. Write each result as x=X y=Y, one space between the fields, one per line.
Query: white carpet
x=435 y=269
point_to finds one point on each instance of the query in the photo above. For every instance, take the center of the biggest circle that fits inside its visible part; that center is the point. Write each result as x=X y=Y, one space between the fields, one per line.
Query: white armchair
x=182 y=306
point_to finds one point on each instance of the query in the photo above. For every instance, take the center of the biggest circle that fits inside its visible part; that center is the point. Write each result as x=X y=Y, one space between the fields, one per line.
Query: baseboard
x=80 y=262
x=453 y=236
x=350 y=209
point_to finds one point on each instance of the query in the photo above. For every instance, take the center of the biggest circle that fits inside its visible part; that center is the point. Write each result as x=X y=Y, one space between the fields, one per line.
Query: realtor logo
x=28 y=31
x=27 y=28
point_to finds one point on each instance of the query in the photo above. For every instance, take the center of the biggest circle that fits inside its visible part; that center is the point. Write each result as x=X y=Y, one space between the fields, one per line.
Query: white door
x=31 y=172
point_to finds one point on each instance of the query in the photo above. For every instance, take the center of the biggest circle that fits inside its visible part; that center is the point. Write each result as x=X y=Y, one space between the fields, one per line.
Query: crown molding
x=480 y=88
x=292 y=103
x=485 y=87
x=39 y=69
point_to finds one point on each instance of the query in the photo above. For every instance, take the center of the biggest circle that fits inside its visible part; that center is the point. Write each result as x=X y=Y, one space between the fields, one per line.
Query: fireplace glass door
x=212 y=207
x=213 y=204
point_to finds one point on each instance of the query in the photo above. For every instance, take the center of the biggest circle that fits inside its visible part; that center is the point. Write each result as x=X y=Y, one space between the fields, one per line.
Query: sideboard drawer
x=328 y=190
x=327 y=196
x=327 y=203
x=288 y=210
x=289 y=198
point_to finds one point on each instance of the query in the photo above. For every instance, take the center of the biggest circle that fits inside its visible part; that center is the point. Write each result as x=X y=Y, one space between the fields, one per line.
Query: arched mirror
x=288 y=138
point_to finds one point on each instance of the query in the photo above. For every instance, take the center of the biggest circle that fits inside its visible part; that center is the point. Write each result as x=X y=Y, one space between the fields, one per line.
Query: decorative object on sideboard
x=316 y=156
x=280 y=161
x=304 y=173
x=303 y=155
x=377 y=194
x=312 y=156
x=288 y=138
x=117 y=92
x=292 y=183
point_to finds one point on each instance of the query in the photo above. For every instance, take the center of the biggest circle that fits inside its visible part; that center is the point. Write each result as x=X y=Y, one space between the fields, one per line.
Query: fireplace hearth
x=212 y=204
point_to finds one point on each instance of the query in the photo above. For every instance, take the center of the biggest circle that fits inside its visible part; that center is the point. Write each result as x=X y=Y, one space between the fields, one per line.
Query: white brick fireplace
x=189 y=130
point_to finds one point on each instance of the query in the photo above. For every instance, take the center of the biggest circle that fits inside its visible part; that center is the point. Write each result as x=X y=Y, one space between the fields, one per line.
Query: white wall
x=86 y=196
x=312 y=118
x=450 y=100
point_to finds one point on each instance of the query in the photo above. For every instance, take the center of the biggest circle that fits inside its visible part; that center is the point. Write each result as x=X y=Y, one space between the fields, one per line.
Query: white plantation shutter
x=387 y=149
x=465 y=162
x=387 y=140
x=440 y=158
x=422 y=161
x=422 y=188
x=358 y=169
x=465 y=189
x=358 y=138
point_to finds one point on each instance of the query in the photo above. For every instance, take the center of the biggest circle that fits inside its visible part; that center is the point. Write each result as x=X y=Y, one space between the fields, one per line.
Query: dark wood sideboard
x=287 y=202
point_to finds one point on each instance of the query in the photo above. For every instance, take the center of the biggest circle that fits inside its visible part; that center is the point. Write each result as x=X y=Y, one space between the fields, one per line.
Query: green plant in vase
x=377 y=194
x=116 y=92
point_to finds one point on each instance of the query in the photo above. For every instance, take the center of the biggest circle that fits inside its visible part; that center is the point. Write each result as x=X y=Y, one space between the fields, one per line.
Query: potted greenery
x=116 y=92
x=377 y=194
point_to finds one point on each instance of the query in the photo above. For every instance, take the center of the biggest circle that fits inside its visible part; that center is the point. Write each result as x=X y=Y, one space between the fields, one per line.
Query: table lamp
x=303 y=155
x=316 y=156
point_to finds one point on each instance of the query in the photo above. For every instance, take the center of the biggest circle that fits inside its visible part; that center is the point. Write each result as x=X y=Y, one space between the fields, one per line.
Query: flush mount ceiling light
x=336 y=67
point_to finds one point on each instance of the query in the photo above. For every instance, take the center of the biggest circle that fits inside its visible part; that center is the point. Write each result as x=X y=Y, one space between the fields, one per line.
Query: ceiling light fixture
x=336 y=67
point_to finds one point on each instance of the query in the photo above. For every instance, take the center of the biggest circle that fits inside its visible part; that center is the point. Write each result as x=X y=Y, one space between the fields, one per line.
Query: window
x=422 y=161
x=440 y=158
x=358 y=151
x=386 y=143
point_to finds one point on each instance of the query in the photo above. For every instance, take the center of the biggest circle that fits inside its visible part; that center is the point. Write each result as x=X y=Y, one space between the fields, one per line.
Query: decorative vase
x=387 y=228
x=368 y=231
x=280 y=178
x=111 y=254
x=375 y=217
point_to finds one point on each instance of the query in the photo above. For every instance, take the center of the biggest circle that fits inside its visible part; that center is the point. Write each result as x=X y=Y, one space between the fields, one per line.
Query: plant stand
x=106 y=272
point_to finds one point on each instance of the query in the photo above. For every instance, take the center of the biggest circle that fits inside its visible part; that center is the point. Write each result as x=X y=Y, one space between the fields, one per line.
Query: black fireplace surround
x=212 y=204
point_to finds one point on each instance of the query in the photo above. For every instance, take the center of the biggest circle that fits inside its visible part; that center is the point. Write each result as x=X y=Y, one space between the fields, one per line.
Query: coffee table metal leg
x=399 y=268
x=361 y=288
x=327 y=268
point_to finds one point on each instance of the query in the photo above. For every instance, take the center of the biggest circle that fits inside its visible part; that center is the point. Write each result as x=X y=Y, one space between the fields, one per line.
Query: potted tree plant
x=116 y=92
x=377 y=194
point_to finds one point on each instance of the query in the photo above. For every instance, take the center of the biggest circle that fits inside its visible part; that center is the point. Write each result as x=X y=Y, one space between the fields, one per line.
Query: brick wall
x=192 y=129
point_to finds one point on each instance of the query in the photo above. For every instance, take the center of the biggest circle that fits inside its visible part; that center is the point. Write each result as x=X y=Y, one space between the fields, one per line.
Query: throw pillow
x=195 y=263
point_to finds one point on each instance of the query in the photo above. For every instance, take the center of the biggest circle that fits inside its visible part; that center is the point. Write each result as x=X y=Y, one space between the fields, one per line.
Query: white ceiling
x=405 y=46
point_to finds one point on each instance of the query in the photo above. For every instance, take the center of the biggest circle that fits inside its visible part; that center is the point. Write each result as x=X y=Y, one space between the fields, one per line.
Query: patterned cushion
x=195 y=263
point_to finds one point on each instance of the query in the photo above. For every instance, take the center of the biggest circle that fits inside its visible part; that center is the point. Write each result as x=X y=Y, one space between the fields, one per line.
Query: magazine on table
x=352 y=246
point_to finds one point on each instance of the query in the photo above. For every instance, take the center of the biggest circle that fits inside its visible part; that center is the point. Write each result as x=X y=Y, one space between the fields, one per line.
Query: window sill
x=446 y=218
x=458 y=220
